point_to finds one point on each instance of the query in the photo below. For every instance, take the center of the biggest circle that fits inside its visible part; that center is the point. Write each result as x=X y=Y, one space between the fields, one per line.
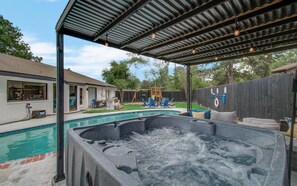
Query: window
x=24 y=91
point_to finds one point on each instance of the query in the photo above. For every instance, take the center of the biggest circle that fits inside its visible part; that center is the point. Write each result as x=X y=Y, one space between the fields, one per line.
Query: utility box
x=38 y=114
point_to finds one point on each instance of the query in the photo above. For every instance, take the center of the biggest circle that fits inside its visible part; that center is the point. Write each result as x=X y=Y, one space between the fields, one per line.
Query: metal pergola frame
x=206 y=26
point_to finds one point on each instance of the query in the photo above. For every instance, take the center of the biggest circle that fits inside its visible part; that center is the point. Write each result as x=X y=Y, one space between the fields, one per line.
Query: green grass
x=98 y=111
x=140 y=107
x=184 y=105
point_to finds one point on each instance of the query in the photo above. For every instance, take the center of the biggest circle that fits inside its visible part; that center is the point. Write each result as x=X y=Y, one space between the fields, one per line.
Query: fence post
x=188 y=87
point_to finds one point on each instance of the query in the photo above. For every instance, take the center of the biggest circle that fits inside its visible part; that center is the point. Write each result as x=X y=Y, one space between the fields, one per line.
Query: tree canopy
x=11 y=42
x=119 y=74
x=253 y=67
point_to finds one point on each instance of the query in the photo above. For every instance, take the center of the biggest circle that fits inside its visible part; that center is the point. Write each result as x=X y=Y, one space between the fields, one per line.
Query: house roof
x=21 y=67
x=204 y=26
x=284 y=68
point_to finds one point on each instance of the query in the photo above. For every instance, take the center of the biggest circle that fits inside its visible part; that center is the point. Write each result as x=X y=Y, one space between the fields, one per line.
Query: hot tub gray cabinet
x=93 y=161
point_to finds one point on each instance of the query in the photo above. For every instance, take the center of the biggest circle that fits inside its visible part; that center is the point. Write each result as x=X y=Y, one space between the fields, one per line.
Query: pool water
x=172 y=157
x=40 y=140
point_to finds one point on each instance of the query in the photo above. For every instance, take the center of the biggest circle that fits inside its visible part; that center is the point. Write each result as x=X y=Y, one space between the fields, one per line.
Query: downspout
x=294 y=89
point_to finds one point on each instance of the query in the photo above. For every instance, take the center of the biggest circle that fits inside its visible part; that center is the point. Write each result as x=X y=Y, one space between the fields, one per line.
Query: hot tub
x=191 y=152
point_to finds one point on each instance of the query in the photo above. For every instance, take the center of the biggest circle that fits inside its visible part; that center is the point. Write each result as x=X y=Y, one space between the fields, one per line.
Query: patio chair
x=165 y=102
x=152 y=103
x=145 y=104
x=170 y=103
x=93 y=102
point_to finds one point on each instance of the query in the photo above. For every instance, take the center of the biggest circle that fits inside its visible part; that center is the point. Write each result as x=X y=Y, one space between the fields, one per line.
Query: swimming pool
x=40 y=140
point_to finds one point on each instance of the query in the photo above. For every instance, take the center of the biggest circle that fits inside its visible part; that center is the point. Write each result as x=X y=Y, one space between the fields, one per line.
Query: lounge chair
x=170 y=103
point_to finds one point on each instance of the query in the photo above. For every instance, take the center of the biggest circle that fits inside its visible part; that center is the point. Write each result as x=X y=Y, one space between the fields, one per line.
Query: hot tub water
x=174 y=157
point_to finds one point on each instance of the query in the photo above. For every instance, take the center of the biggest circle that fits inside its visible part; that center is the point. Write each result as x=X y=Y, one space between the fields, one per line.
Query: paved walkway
x=52 y=119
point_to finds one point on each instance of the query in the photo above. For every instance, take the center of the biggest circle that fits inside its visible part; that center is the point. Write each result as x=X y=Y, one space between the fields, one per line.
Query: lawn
x=184 y=105
x=128 y=106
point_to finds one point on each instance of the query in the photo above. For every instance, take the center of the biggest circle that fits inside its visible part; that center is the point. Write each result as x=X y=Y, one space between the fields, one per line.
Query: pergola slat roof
x=205 y=25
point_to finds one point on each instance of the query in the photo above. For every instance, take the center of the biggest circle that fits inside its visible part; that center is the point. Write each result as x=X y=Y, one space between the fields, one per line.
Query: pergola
x=187 y=32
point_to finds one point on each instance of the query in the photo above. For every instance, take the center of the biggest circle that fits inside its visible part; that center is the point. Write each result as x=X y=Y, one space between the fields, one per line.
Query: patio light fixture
x=154 y=35
x=106 y=41
x=237 y=29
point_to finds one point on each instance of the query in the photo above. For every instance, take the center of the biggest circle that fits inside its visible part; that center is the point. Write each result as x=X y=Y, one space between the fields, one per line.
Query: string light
x=244 y=58
x=106 y=41
x=216 y=58
x=266 y=55
x=252 y=49
x=153 y=35
x=237 y=30
x=193 y=51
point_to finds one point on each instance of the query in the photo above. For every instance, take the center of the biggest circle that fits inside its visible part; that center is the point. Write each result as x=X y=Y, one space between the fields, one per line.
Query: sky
x=37 y=19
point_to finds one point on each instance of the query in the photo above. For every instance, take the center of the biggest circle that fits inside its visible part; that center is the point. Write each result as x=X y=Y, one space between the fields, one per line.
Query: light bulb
x=244 y=58
x=153 y=35
x=106 y=43
x=266 y=55
x=236 y=32
x=216 y=58
x=251 y=49
x=193 y=51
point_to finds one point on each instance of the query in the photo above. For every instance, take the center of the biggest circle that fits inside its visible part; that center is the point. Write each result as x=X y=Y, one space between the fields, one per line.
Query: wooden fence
x=269 y=97
x=128 y=95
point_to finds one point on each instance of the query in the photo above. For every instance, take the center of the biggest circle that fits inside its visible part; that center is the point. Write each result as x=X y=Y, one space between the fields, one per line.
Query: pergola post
x=60 y=108
x=188 y=87
x=294 y=109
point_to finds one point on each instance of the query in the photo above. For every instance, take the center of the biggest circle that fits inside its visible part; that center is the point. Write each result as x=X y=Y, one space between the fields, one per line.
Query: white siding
x=16 y=110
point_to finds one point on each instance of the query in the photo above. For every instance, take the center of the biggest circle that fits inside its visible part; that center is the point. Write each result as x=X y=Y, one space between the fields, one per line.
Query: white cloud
x=88 y=59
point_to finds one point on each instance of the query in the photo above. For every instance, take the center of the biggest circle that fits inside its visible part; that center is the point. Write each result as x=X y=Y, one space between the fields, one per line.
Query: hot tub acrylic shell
x=92 y=161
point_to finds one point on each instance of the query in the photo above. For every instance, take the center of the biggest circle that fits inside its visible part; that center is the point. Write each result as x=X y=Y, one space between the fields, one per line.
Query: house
x=24 y=83
x=286 y=69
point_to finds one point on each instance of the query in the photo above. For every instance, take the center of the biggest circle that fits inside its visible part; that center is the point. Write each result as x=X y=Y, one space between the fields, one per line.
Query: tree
x=11 y=42
x=159 y=75
x=119 y=74
x=283 y=58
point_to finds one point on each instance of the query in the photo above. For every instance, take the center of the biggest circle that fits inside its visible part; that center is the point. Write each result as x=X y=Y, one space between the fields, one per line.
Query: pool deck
x=71 y=116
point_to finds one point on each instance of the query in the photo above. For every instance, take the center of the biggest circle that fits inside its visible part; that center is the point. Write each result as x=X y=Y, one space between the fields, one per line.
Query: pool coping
x=51 y=120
